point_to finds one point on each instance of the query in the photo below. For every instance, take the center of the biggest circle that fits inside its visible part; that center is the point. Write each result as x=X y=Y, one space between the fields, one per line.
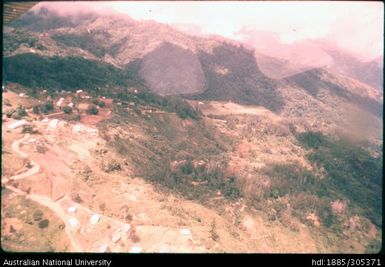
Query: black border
x=126 y=259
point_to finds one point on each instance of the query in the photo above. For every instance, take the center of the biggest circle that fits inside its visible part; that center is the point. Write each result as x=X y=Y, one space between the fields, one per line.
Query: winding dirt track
x=43 y=200
x=35 y=167
x=72 y=234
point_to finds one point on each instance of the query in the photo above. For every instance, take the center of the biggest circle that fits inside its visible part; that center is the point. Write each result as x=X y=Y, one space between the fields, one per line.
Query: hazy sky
x=356 y=26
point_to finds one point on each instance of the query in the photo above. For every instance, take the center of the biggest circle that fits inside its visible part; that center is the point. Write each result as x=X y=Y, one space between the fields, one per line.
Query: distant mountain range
x=279 y=60
x=169 y=62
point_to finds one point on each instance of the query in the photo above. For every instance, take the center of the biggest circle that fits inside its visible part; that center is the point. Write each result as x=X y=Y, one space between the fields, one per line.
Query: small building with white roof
x=60 y=102
x=136 y=249
x=73 y=222
x=94 y=219
x=72 y=209
x=53 y=123
x=104 y=248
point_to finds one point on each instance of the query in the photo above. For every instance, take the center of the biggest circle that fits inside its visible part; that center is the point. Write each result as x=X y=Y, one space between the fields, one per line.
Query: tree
x=21 y=111
x=95 y=101
x=101 y=104
x=48 y=106
x=67 y=110
x=36 y=110
x=92 y=110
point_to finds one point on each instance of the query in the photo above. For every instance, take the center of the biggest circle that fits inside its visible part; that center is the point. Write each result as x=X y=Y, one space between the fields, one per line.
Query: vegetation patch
x=190 y=159
x=37 y=228
x=351 y=173
x=83 y=41
x=54 y=73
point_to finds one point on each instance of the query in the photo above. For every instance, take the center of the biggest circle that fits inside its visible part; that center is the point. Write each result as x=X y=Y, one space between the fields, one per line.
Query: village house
x=60 y=102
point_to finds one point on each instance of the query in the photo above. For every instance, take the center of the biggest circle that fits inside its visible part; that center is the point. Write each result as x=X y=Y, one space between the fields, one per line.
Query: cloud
x=356 y=26
x=71 y=7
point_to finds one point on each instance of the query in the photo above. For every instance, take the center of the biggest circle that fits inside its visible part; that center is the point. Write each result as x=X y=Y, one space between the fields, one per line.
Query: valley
x=129 y=136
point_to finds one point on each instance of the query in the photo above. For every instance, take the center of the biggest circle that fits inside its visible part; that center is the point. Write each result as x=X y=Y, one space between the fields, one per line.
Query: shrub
x=87 y=172
x=43 y=224
x=7 y=102
x=134 y=237
x=76 y=198
x=9 y=113
x=213 y=233
x=275 y=193
x=28 y=129
x=102 y=207
x=38 y=215
x=112 y=166
x=16 y=116
x=41 y=149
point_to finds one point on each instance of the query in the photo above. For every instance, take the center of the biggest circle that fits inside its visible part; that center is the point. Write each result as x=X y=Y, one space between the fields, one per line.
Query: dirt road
x=35 y=167
x=87 y=237
x=47 y=202
x=55 y=207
